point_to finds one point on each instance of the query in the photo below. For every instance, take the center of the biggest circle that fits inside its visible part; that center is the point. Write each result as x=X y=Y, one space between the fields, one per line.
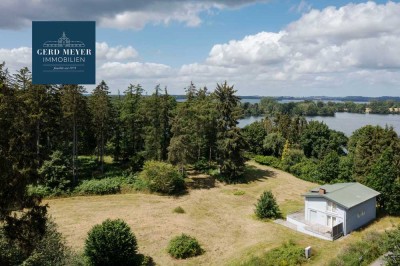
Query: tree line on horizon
x=307 y=107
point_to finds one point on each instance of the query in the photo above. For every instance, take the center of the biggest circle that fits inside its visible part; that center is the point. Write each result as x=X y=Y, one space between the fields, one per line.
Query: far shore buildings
x=331 y=211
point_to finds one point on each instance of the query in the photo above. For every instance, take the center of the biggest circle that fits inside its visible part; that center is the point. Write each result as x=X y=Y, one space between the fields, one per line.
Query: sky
x=266 y=48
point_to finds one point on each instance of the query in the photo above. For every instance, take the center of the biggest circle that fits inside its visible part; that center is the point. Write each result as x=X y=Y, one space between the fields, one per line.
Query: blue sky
x=286 y=47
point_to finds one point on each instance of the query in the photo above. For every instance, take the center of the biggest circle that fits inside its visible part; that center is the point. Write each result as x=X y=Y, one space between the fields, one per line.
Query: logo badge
x=63 y=52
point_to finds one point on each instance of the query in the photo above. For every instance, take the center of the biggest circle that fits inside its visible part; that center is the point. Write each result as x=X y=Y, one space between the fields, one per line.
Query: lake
x=345 y=122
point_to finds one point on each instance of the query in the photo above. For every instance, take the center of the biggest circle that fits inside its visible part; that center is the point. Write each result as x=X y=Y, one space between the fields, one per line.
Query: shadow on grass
x=252 y=174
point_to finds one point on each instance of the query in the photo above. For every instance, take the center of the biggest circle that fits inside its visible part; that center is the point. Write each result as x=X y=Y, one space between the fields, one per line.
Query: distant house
x=394 y=109
x=331 y=211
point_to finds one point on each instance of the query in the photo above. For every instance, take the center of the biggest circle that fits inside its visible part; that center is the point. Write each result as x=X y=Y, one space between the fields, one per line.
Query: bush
x=361 y=252
x=179 y=209
x=136 y=163
x=267 y=207
x=39 y=191
x=273 y=144
x=307 y=169
x=292 y=157
x=268 y=160
x=287 y=254
x=184 y=246
x=160 y=177
x=393 y=246
x=145 y=260
x=201 y=165
x=111 y=243
x=49 y=249
x=99 y=187
x=239 y=192
x=55 y=172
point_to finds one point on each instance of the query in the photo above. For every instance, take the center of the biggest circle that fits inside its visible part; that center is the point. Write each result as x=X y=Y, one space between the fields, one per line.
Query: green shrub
x=55 y=171
x=267 y=207
x=307 y=169
x=39 y=191
x=292 y=157
x=179 y=209
x=184 y=246
x=268 y=160
x=160 y=177
x=287 y=254
x=393 y=246
x=136 y=162
x=111 y=243
x=362 y=252
x=47 y=250
x=99 y=187
x=273 y=144
x=239 y=192
x=146 y=260
x=201 y=165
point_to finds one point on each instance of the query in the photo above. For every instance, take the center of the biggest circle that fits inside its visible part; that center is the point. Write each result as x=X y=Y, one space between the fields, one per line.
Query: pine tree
x=366 y=146
x=101 y=110
x=153 y=131
x=193 y=128
x=168 y=104
x=384 y=177
x=229 y=138
x=182 y=144
x=158 y=110
x=74 y=110
x=116 y=136
x=132 y=120
x=267 y=207
x=328 y=167
x=21 y=215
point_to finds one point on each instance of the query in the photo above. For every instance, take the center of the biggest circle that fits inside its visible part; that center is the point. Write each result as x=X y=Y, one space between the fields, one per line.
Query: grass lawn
x=221 y=218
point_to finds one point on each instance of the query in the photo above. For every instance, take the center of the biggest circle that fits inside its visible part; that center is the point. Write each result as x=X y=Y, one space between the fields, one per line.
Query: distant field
x=220 y=218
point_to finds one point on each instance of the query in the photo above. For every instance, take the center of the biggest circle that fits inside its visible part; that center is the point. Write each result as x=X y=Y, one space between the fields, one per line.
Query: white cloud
x=133 y=70
x=303 y=6
x=353 y=21
x=323 y=49
x=105 y=52
x=187 y=13
x=264 y=47
x=16 y=58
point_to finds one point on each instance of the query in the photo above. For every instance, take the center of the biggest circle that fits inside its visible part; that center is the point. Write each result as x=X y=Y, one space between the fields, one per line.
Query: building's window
x=360 y=214
x=331 y=206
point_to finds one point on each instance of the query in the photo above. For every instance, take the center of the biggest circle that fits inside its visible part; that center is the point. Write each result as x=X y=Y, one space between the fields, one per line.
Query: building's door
x=331 y=221
x=313 y=216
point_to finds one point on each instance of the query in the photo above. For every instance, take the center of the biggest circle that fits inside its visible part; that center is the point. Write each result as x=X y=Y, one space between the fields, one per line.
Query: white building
x=334 y=210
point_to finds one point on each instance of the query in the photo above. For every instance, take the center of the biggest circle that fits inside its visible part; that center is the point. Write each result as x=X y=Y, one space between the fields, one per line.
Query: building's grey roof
x=346 y=194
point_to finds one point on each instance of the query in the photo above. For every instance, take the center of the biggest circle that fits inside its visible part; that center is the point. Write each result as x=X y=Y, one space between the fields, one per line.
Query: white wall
x=319 y=204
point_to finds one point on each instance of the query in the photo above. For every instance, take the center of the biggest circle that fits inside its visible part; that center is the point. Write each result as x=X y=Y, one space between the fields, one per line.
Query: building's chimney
x=322 y=191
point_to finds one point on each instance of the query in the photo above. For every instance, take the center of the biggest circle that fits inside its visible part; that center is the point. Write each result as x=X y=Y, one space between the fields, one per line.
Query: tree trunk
x=74 y=151
x=102 y=151
x=38 y=142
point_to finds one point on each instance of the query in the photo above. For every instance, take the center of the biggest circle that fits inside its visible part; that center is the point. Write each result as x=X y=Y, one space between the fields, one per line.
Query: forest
x=271 y=106
x=57 y=141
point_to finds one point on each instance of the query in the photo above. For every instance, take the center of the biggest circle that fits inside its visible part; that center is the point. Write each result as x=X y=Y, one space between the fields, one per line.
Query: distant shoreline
x=316 y=98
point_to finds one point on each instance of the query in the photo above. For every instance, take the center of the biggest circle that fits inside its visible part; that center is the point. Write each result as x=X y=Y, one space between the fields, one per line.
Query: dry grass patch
x=221 y=221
